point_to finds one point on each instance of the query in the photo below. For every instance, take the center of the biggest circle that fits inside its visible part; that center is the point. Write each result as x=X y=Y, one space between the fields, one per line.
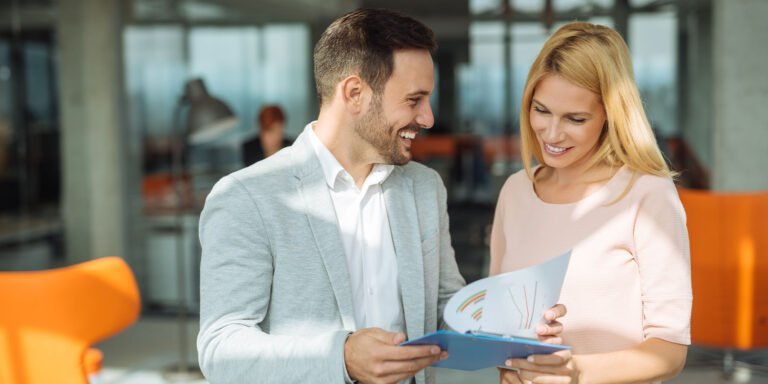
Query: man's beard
x=374 y=129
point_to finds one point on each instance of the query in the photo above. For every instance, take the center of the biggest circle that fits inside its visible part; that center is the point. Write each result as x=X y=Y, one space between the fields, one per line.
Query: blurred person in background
x=271 y=121
x=603 y=190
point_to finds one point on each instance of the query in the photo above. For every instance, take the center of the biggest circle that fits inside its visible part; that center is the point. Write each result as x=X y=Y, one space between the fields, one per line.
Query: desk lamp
x=208 y=118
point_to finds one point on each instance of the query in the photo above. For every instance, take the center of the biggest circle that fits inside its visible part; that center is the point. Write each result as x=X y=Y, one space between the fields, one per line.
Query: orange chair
x=729 y=265
x=49 y=319
x=436 y=145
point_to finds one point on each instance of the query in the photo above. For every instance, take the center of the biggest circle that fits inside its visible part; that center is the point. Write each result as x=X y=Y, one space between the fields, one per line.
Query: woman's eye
x=539 y=110
x=578 y=121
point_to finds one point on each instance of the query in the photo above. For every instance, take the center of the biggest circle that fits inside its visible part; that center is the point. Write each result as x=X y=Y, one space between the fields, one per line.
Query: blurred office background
x=91 y=115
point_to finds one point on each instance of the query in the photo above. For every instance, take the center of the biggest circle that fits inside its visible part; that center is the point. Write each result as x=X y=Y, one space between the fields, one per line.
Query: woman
x=270 y=139
x=602 y=189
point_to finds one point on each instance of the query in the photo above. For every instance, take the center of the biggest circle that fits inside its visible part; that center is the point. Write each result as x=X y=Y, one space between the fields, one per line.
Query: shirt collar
x=332 y=168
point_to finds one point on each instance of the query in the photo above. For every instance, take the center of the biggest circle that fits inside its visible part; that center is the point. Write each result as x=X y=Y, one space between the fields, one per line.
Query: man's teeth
x=408 y=134
x=553 y=149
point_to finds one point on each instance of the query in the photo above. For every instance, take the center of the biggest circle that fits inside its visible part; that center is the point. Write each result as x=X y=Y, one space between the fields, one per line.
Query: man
x=318 y=261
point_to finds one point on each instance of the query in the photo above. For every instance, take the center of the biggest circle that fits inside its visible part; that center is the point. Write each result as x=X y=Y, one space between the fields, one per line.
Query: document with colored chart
x=495 y=318
x=509 y=304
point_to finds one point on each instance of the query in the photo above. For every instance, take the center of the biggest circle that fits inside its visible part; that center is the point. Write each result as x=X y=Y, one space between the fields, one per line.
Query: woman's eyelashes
x=577 y=120
x=573 y=119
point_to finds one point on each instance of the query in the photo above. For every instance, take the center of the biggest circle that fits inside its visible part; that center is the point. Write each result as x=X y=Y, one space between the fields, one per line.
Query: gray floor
x=142 y=354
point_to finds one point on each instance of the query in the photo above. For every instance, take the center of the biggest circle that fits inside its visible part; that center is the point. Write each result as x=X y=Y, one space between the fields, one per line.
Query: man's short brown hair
x=363 y=42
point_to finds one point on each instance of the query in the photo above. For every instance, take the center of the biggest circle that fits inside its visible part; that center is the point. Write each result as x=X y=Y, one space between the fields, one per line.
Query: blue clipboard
x=473 y=351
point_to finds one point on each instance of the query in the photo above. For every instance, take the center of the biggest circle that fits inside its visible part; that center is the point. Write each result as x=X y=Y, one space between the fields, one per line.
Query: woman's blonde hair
x=596 y=58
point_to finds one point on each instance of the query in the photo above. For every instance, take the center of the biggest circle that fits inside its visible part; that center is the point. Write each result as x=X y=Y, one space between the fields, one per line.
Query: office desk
x=163 y=235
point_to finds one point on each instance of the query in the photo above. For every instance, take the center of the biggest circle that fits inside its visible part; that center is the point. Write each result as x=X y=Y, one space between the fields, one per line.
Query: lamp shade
x=208 y=117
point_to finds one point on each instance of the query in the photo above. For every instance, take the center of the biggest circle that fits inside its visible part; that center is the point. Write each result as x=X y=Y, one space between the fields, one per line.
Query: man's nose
x=424 y=118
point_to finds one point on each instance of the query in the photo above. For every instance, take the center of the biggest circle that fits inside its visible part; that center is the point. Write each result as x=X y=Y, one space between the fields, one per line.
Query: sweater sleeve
x=663 y=256
x=236 y=273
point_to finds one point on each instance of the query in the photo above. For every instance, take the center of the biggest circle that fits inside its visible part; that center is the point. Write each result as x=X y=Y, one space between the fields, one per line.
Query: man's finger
x=408 y=367
x=379 y=335
x=398 y=338
x=409 y=352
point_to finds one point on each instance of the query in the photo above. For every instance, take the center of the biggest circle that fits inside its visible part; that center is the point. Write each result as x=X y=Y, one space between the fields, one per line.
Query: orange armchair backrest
x=729 y=266
x=48 y=319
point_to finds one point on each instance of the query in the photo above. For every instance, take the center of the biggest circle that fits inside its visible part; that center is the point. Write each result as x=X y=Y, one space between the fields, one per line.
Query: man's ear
x=352 y=91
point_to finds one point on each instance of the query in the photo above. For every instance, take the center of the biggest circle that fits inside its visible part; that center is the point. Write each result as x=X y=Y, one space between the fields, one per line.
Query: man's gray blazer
x=276 y=305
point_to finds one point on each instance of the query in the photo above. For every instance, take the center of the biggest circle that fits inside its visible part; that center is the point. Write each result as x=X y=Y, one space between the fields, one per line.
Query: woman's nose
x=551 y=131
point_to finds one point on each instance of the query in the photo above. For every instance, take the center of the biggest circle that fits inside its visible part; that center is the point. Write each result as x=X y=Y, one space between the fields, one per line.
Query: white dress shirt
x=364 y=228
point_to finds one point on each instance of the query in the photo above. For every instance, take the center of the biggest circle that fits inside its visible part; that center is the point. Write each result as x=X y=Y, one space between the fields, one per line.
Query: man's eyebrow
x=417 y=93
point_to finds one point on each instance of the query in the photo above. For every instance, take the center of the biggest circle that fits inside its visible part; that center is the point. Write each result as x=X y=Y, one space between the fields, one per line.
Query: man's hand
x=373 y=355
x=550 y=331
x=557 y=368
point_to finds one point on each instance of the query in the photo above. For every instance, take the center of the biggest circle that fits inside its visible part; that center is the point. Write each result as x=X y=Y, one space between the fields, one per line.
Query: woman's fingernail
x=508 y=363
x=531 y=359
x=540 y=329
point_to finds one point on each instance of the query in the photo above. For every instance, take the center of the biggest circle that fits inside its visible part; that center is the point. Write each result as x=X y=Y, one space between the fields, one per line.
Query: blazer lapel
x=322 y=219
x=403 y=224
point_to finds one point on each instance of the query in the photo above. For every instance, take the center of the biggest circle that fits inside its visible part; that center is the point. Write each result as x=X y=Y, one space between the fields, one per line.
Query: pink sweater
x=629 y=275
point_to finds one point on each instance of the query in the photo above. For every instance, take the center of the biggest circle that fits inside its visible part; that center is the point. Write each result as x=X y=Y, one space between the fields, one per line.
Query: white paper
x=512 y=303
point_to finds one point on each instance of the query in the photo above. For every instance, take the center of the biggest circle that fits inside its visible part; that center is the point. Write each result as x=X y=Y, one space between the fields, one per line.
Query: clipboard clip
x=483 y=333
x=501 y=335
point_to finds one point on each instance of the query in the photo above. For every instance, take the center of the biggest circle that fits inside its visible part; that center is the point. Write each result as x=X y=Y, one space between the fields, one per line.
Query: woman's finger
x=525 y=365
x=507 y=376
x=553 y=328
x=555 y=312
x=559 y=358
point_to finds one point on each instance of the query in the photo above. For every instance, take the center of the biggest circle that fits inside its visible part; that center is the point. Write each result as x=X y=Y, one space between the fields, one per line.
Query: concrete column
x=695 y=76
x=740 y=92
x=94 y=197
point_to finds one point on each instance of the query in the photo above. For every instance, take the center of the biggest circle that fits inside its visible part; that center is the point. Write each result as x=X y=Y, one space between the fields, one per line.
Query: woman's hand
x=554 y=368
x=557 y=368
x=550 y=331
